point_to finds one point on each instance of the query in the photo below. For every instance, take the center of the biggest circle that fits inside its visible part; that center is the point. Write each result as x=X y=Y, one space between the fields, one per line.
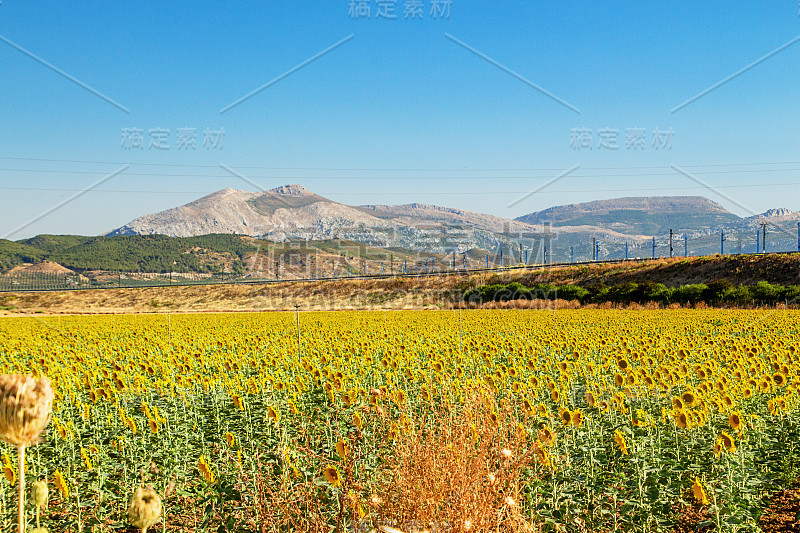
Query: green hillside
x=55 y=243
x=160 y=254
x=15 y=253
x=135 y=253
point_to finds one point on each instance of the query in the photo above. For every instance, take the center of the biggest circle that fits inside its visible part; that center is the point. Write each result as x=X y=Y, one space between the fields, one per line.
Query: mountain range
x=291 y=213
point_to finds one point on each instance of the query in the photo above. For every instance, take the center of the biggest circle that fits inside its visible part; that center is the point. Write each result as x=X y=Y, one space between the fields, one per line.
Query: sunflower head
x=735 y=421
x=61 y=484
x=8 y=469
x=332 y=476
x=145 y=507
x=689 y=399
x=726 y=441
x=699 y=492
x=205 y=469
x=341 y=449
x=619 y=440
x=546 y=436
x=542 y=457
x=25 y=405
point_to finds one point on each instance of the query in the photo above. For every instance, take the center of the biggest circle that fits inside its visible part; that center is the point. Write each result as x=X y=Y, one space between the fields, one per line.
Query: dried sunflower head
x=145 y=507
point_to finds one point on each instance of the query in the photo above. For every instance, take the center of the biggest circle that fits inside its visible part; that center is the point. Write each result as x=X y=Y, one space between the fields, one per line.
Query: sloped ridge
x=284 y=197
x=416 y=213
x=638 y=215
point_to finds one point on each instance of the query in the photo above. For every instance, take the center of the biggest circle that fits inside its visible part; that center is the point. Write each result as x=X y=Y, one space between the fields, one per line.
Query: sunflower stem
x=21 y=513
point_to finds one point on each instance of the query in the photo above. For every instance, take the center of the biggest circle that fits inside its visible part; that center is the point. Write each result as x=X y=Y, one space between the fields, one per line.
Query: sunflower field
x=473 y=420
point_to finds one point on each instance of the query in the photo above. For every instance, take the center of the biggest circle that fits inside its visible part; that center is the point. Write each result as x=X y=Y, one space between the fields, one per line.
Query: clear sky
x=476 y=108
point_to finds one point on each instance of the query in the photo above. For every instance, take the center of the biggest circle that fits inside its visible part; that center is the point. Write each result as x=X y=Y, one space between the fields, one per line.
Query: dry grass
x=389 y=293
x=457 y=471
x=450 y=470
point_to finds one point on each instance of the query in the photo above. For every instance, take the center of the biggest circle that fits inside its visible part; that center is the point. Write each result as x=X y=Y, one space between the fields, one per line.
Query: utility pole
x=764 y=237
x=670 y=243
x=594 y=249
x=626 y=250
x=297 y=316
x=722 y=240
x=526 y=257
x=572 y=250
x=597 y=251
x=654 y=247
x=501 y=256
x=685 y=245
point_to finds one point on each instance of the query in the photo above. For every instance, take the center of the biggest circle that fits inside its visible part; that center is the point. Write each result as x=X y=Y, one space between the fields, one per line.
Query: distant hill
x=638 y=216
x=278 y=214
x=292 y=212
x=213 y=254
x=16 y=253
x=130 y=253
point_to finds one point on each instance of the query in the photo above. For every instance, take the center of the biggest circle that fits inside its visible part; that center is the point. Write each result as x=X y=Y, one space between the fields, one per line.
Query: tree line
x=718 y=292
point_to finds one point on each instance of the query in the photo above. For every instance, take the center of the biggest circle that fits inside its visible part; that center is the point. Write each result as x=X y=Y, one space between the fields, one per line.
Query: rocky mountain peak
x=293 y=189
x=779 y=212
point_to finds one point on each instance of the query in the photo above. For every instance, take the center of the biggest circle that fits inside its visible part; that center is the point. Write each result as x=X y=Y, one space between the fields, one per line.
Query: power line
x=449 y=193
x=343 y=169
x=391 y=178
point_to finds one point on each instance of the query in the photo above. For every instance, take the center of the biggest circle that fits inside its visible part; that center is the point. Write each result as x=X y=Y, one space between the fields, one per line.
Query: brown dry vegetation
x=402 y=293
x=454 y=470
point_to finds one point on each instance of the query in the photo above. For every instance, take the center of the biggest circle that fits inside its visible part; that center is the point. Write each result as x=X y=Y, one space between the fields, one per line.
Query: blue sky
x=404 y=110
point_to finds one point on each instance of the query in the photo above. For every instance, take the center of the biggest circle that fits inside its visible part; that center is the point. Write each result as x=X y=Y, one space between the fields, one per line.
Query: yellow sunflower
x=332 y=476
x=699 y=493
x=726 y=441
x=619 y=440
